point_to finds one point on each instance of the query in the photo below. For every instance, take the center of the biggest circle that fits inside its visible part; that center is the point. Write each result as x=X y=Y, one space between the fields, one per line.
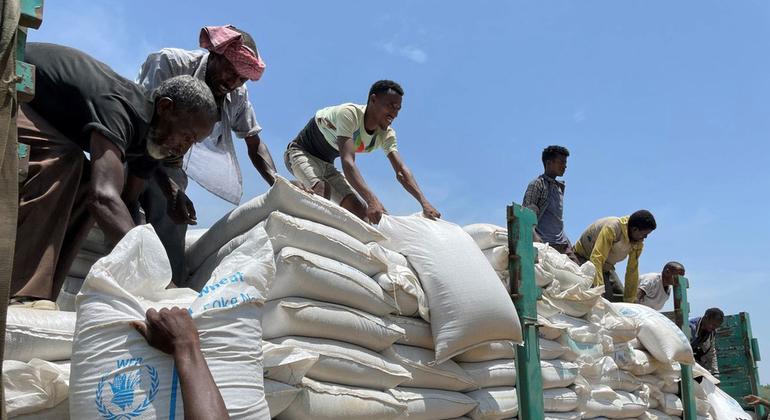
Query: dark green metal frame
x=682 y=316
x=524 y=293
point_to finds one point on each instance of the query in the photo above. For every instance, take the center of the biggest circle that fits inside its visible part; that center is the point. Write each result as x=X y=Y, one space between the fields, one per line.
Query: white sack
x=202 y=274
x=34 y=386
x=38 y=334
x=447 y=375
x=324 y=401
x=285 y=230
x=279 y=396
x=303 y=274
x=661 y=337
x=486 y=235
x=497 y=257
x=469 y=305
x=606 y=402
x=286 y=363
x=115 y=371
x=559 y=400
x=495 y=403
x=558 y=374
x=348 y=364
x=284 y=197
x=402 y=284
x=723 y=406
x=312 y=318
x=430 y=404
x=492 y=373
x=192 y=235
x=417 y=332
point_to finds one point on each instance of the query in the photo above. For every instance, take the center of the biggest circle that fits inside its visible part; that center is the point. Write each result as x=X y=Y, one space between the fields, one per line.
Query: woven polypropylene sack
x=326 y=401
x=38 y=334
x=284 y=197
x=116 y=373
x=469 y=305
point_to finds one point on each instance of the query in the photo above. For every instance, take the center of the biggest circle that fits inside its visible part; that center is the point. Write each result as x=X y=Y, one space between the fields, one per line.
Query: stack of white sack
x=361 y=308
x=493 y=242
x=116 y=374
x=471 y=315
x=38 y=346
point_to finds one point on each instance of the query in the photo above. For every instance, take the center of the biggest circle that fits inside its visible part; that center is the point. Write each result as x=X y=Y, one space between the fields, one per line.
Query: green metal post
x=682 y=315
x=524 y=292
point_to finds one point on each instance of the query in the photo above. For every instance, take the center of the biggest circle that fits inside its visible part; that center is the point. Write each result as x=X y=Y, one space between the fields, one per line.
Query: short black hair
x=247 y=40
x=552 y=152
x=383 y=86
x=715 y=314
x=642 y=220
x=674 y=265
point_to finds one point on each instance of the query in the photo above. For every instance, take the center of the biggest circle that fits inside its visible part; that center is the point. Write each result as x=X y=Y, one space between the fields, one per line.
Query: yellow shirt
x=605 y=243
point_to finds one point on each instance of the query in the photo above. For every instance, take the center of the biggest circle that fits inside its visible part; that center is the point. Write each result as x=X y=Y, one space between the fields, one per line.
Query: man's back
x=77 y=93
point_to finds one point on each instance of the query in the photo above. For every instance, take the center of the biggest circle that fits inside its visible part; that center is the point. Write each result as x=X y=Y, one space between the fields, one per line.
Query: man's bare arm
x=107 y=182
x=406 y=178
x=261 y=158
x=374 y=208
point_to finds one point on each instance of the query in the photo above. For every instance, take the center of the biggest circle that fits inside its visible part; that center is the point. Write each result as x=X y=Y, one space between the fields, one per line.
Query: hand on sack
x=170 y=330
x=181 y=209
x=302 y=187
x=430 y=212
x=374 y=211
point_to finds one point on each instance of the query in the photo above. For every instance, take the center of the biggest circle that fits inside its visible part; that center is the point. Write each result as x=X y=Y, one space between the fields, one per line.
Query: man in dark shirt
x=81 y=105
x=703 y=339
x=545 y=196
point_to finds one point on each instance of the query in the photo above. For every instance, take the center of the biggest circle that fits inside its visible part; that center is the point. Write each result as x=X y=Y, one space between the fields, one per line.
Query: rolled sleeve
x=632 y=275
x=600 y=252
x=245 y=122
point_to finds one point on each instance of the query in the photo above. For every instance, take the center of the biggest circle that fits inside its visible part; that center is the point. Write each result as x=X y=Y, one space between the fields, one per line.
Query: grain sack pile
x=617 y=360
x=332 y=318
x=360 y=299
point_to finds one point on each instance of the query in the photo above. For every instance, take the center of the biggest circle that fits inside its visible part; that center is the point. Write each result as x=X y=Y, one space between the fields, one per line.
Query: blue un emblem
x=128 y=393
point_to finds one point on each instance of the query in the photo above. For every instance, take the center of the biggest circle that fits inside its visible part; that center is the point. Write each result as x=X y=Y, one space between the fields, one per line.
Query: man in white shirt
x=343 y=131
x=655 y=288
x=230 y=60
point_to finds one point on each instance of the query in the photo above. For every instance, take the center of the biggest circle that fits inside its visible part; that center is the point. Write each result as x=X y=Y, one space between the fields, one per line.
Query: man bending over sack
x=82 y=105
x=342 y=131
x=231 y=59
x=609 y=241
x=703 y=338
x=655 y=288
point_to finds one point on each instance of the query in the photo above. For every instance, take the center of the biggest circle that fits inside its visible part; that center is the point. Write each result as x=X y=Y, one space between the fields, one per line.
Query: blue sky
x=660 y=103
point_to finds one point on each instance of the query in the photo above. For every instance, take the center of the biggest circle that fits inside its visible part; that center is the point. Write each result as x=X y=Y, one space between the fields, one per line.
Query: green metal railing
x=524 y=293
x=682 y=316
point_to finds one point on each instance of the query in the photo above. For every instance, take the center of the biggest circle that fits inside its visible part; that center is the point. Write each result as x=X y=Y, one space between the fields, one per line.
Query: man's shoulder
x=179 y=57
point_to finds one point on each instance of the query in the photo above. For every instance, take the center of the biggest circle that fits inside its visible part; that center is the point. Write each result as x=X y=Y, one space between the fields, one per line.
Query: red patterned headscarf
x=226 y=41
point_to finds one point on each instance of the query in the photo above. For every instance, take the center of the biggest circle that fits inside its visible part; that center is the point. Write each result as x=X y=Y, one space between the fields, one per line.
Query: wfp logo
x=119 y=402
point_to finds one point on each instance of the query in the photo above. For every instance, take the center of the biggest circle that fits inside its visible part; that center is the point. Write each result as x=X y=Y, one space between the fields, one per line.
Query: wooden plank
x=31 y=13
x=26 y=87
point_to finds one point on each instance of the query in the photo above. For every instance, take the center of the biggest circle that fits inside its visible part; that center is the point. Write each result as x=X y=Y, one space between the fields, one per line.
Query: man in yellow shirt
x=609 y=241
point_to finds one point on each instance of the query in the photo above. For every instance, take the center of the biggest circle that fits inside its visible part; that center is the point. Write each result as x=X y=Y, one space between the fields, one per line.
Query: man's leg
x=155 y=206
x=613 y=288
x=308 y=170
x=341 y=188
x=46 y=200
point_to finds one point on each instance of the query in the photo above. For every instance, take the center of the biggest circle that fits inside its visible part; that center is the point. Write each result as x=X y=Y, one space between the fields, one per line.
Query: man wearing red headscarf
x=230 y=59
